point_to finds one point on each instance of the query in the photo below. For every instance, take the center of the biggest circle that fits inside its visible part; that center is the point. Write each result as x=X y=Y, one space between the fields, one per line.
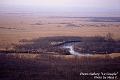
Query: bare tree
x=110 y=40
x=109 y=37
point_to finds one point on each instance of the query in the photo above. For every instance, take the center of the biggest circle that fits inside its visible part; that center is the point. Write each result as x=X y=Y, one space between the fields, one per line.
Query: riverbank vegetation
x=98 y=44
x=93 y=44
x=46 y=45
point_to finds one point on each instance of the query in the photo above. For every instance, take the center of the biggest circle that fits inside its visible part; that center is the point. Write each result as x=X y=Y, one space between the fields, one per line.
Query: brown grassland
x=51 y=67
x=14 y=27
x=17 y=26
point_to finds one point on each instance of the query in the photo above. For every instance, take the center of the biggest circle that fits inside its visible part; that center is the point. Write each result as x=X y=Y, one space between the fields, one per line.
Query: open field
x=17 y=26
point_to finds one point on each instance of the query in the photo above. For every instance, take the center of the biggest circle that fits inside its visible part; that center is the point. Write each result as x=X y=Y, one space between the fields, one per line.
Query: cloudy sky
x=72 y=5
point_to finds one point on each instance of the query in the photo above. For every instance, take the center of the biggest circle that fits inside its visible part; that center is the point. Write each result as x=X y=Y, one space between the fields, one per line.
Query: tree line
x=93 y=44
x=98 y=44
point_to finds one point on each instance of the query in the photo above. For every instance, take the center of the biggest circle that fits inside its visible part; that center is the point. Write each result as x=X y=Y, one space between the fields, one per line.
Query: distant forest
x=94 y=19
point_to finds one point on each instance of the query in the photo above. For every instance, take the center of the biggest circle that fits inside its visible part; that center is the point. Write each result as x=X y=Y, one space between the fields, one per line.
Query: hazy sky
x=86 y=4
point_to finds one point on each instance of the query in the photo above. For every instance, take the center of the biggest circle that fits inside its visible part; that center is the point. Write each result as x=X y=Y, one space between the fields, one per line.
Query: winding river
x=70 y=46
x=71 y=50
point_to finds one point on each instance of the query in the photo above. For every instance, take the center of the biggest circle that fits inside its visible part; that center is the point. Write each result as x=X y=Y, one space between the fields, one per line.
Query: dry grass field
x=30 y=26
x=32 y=56
x=17 y=26
x=49 y=67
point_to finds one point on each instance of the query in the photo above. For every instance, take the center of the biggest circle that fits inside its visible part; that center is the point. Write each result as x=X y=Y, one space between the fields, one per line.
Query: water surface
x=73 y=52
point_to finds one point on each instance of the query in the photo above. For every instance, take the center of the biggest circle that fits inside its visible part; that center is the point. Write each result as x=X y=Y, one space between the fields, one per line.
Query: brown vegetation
x=98 y=44
x=40 y=33
x=46 y=67
x=95 y=44
x=14 y=27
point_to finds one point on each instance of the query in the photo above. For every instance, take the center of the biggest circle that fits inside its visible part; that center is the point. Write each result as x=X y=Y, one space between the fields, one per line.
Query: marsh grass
x=50 y=67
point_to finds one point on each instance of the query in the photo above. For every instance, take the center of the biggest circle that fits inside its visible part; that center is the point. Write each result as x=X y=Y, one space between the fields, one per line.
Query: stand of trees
x=98 y=44
x=95 y=44
x=46 y=45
